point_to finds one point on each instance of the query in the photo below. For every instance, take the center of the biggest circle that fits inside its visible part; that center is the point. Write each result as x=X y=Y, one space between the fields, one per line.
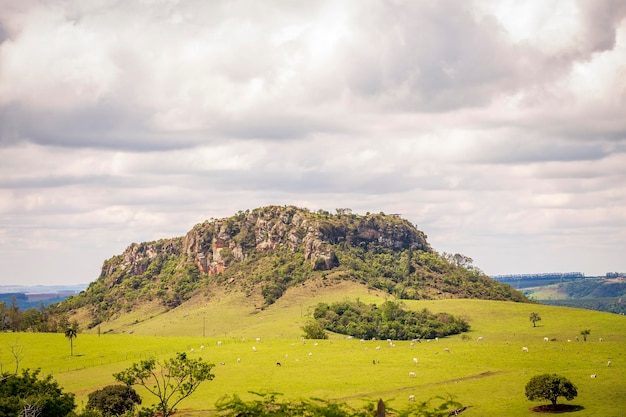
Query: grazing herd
x=412 y=374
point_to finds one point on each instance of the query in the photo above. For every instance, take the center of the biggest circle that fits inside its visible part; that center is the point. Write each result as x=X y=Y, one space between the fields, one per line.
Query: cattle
x=238 y=360
x=377 y=347
x=545 y=339
x=480 y=339
x=412 y=375
x=278 y=364
x=524 y=349
x=600 y=339
x=254 y=348
x=412 y=398
x=192 y=350
x=202 y=347
x=219 y=343
x=415 y=361
x=594 y=375
x=608 y=363
x=446 y=350
x=222 y=363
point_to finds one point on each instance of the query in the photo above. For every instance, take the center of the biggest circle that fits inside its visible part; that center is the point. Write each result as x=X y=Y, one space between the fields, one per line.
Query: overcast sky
x=496 y=127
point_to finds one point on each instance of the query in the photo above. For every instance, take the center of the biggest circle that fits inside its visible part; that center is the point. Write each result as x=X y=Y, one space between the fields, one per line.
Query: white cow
x=545 y=339
x=254 y=348
x=594 y=375
x=412 y=375
x=480 y=339
x=412 y=398
x=415 y=361
x=524 y=349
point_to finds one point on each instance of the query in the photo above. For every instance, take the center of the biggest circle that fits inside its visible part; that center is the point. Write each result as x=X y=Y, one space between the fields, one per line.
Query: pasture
x=488 y=375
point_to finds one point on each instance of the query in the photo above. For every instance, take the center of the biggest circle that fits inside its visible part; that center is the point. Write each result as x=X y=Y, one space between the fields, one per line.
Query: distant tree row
x=389 y=321
x=42 y=319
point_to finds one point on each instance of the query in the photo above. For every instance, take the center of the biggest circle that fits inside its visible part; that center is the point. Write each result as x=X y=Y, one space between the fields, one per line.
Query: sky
x=496 y=127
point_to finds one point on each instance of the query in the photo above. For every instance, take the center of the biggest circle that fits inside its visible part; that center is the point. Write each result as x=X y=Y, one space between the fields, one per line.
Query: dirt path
x=417 y=387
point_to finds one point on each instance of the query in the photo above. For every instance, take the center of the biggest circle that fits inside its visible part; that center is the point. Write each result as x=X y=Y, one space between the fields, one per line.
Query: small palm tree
x=585 y=333
x=71 y=334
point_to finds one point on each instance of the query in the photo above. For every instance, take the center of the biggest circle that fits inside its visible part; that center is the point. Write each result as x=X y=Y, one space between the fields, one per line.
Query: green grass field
x=488 y=375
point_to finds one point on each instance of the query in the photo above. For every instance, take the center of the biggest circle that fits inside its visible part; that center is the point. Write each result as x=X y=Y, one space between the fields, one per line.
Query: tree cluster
x=42 y=319
x=30 y=394
x=269 y=405
x=388 y=321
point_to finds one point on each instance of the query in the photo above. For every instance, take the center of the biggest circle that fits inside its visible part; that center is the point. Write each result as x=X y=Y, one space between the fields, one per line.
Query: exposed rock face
x=137 y=257
x=216 y=244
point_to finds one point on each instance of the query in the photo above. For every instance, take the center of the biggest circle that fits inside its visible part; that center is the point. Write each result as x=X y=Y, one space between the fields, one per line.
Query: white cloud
x=497 y=128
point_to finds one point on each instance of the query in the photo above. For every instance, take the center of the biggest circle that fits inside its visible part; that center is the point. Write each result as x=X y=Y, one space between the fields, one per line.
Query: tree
x=585 y=333
x=550 y=387
x=113 y=400
x=171 y=381
x=314 y=330
x=28 y=394
x=17 y=353
x=71 y=333
x=534 y=317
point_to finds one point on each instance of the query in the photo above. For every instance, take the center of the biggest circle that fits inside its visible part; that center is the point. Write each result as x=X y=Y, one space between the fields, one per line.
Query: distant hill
x=602 y=294
x=32 y=296
x=268 y=250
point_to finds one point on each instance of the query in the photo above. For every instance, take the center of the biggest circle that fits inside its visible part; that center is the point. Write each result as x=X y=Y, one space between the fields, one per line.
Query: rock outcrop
x=214 y=245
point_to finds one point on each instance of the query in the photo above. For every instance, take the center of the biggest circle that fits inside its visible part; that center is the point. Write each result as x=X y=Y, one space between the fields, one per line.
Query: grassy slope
x=488 y=375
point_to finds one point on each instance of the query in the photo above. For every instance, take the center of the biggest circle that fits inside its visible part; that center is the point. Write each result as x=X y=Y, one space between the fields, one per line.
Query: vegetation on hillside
x=589 y=293
x=388 y=321
x=268 y=250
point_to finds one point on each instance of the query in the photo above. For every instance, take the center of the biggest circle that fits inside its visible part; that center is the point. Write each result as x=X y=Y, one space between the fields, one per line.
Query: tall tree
x=170 y=381
x=71 y=333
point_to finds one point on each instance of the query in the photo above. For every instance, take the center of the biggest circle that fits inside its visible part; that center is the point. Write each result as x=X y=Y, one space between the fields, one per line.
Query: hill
x=266 y=251
x=603 y=294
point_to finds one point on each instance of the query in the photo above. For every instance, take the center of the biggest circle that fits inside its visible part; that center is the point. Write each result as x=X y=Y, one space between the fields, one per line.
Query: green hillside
x=265 y=252
x=488 y=375
x=602 y=294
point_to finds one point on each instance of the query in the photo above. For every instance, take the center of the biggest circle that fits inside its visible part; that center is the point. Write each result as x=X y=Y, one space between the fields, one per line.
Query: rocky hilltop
x=272 y=248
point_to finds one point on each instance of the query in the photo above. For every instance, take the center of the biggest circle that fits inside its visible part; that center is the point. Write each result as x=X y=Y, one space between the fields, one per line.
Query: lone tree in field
x=71 y=333
x=550 y=387
x=534 y=317
x=584 y=334
x=171 y=381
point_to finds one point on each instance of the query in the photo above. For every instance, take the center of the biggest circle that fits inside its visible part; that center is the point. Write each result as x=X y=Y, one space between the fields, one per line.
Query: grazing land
x=488 y=375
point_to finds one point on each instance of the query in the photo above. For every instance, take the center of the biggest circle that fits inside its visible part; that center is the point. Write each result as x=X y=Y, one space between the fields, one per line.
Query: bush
x=113 y=400
x=29 y=393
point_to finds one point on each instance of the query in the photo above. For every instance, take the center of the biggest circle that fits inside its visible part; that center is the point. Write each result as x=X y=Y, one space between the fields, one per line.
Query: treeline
x=42 y=319
x=389 y=321
x=610 y=304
